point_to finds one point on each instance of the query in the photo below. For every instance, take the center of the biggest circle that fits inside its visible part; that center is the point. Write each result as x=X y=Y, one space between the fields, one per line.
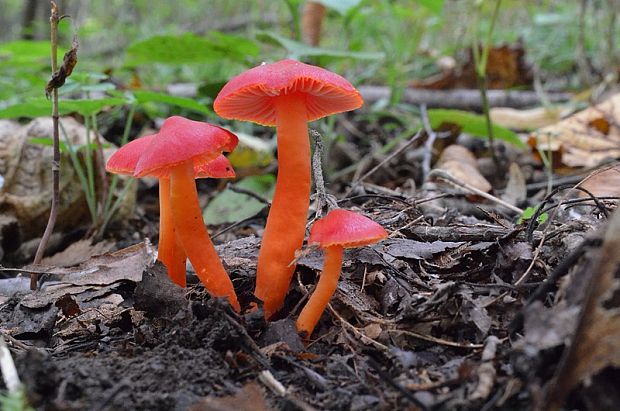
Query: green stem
x=88 y=160
x=79 y=169
x=480 y=62
x=482 y=86
x=107 y=211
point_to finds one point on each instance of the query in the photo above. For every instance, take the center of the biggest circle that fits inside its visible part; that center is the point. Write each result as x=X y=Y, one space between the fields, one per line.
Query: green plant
x=14 y=401
x=529 y=212
x=480 y=63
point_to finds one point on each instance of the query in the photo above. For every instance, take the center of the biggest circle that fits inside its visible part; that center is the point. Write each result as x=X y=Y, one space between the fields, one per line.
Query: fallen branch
x=463 y=99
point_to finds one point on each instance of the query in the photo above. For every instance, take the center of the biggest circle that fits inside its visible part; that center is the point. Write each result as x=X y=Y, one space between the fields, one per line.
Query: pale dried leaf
x=584 y=139
x=603 y=184
x=528 y=119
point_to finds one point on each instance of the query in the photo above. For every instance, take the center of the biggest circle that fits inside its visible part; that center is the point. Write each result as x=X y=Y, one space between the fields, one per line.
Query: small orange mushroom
x=338 y=230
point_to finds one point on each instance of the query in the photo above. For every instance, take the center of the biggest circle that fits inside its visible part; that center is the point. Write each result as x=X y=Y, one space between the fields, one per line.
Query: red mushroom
x=181 y=147
x=338 y=230
x=170 y=250
x=287 y=94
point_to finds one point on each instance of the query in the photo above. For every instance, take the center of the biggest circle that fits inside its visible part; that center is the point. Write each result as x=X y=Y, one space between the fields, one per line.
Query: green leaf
x=189 y=48
x=529 y=212
x=40 y=107
x=473 y=124
x=341 y=6
x=234 y=47
x=228 y=206
x=48 y=141
x=436 y=6
x=143 y=96
x=252 y=152
x=26 y=53
x=298 y=50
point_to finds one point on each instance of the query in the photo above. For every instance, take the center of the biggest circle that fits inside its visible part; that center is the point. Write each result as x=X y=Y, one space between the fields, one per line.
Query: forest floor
x=462 y=307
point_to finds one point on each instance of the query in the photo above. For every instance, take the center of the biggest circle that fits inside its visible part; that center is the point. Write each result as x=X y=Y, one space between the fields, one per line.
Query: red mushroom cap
x=346 y=229
x=249 y=95
x=180 y=140
x=124 y=160
x=218 y=168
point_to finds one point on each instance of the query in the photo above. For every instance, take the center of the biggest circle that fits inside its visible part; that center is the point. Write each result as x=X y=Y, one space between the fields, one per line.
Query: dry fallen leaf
x=586 y=138
x=248 y=398
x=77 y=253
x=528 y=119
x=603 y=184
x=506 y=67
x=461 y=164
x=596 y=342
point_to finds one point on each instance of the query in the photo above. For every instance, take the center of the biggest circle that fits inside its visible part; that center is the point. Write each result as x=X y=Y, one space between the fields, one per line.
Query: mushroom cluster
x=286 y=94
x=182 y=151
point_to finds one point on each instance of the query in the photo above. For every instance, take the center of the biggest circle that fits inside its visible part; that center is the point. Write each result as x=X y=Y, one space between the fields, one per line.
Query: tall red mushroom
x=286 y=94
x=180 y=148
x=170 y=250
x=338 y=230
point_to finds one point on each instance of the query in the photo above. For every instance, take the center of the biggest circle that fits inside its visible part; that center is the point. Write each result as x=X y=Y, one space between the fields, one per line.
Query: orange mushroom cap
x=218 y=168
x=249 y=95
x=124 y=161
x=180 y=140
x=345 y=229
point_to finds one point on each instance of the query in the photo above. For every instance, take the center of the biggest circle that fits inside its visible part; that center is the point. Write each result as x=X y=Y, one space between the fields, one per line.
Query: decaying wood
x=463 y=99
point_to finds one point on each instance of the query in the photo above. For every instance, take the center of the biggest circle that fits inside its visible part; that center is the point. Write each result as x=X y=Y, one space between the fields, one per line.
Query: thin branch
x=54 y=19
x=430 y=141
x=449 y=177
x=387 y=159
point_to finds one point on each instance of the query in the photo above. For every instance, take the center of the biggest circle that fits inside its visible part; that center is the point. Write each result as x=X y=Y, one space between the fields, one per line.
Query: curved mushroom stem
x=311 y=313
x=170 y=252
x=187 y=219
x=286 y=223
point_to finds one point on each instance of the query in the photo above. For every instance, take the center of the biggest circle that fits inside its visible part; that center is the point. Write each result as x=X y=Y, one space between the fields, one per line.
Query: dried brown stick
x=447 y=176
x=54 y=19
x=463 y=99
x=387 y=159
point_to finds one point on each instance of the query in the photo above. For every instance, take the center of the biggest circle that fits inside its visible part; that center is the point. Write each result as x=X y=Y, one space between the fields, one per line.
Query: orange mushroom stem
x=187 y=218
x=171 y=252
x=285 y=228
x=325 y=289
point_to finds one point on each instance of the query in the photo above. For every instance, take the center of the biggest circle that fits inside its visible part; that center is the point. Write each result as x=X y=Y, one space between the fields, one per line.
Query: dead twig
x=58 y=79
x=463 y=99
x=249 y=193
x=355 y=330
x=442 y=174
x=7 y=366
x=428 y=145
x=322 y=198
x=552 y=217
x=386 y=160
x=436 y=340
